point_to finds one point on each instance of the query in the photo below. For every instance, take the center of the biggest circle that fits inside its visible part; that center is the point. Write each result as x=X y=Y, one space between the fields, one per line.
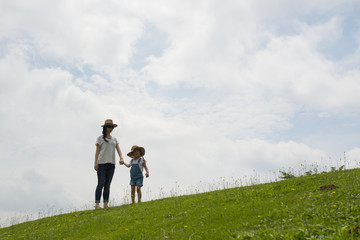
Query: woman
x=105 y=162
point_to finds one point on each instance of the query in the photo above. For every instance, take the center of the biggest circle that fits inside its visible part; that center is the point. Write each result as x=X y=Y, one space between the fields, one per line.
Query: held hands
x=121 y=162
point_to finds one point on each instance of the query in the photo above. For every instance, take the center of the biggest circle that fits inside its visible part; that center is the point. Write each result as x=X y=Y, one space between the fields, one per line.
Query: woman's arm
x=120 y=154
x=97 y=153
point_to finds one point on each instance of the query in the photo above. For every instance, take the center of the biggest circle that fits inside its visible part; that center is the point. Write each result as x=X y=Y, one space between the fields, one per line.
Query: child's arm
x=146 y=169
x=127 y=164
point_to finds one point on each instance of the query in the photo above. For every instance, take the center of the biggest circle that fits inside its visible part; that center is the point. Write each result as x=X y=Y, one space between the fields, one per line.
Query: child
x=137 y=164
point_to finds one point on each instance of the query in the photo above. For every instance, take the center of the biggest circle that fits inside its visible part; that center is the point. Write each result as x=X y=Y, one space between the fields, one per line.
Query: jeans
x=105 y=174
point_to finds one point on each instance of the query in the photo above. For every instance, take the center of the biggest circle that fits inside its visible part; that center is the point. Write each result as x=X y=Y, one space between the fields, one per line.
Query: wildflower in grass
x=259 y=216
x=126 y=229
x=334 y=206
x=333 y=192
x=185 y=226
x=293 y=189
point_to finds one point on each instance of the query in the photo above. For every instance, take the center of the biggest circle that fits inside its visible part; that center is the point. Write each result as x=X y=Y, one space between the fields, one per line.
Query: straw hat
x=141 y=149
x=109 y=122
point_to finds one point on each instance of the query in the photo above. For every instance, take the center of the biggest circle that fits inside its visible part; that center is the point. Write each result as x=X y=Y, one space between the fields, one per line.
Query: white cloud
x=30 y=191
x=291 y=67
x=352 y=157
x=93 y=33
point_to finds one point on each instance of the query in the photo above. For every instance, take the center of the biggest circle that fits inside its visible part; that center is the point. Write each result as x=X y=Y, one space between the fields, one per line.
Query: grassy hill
x=319 y=206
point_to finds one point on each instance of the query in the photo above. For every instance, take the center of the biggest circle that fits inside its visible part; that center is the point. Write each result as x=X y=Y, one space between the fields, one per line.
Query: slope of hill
x=319 y=206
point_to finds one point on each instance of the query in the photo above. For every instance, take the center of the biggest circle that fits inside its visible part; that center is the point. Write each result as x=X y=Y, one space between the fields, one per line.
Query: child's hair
x=104 y=133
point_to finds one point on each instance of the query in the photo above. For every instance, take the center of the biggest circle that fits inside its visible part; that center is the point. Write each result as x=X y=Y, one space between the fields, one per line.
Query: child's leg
x=138 y=189
x=133 y=193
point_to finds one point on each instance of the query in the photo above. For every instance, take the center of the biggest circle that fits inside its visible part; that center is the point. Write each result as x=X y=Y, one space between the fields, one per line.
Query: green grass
x=295 y=208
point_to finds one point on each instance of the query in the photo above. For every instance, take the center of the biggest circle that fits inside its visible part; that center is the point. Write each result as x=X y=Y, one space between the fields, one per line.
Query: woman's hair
x=104 y=133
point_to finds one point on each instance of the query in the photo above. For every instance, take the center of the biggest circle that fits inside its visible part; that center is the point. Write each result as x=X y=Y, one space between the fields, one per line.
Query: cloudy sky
x=211 y=89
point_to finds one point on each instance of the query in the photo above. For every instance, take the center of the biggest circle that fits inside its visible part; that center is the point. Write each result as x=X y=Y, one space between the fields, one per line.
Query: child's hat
x=133 y=148
x=109 y=122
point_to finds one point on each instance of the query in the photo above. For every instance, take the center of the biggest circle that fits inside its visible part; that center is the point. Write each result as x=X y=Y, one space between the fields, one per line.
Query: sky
x=215 y=91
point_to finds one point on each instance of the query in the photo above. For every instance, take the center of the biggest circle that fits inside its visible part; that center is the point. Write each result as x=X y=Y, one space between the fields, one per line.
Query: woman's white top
x=107 y=152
